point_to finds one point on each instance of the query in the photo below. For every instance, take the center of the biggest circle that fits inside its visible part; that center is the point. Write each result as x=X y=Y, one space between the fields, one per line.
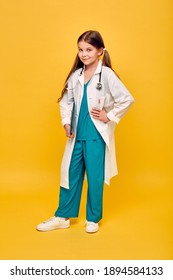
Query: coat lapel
x=81 y=79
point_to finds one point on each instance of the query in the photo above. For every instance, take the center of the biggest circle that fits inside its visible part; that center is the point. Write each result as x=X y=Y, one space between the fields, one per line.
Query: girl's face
x=88 y=54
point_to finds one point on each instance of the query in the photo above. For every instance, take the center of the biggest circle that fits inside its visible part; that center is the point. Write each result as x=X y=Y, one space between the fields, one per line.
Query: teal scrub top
x=86 y=129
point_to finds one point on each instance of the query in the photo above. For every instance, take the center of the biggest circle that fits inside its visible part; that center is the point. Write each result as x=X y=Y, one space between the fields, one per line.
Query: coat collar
x=99 y=67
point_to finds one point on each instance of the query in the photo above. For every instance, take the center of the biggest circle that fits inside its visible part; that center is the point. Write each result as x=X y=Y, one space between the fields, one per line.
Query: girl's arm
x=120 y=104
x=66 y=107
x=122 y=98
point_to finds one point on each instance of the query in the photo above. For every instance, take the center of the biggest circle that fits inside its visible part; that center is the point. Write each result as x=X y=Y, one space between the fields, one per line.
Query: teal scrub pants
x=87 y=156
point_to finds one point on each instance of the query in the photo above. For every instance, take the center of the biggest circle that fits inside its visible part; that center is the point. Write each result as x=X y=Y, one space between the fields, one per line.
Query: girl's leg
x=69 y=199
x=94 y=155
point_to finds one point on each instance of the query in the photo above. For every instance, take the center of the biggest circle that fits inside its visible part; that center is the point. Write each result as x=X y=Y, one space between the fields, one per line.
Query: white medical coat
x=114 y=98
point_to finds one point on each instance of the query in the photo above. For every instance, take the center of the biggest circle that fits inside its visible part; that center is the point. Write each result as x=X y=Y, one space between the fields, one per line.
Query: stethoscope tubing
x=99 y=84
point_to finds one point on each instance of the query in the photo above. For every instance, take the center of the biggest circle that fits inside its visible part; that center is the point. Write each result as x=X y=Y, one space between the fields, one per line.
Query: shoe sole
x=88 y=231
x=53 y=228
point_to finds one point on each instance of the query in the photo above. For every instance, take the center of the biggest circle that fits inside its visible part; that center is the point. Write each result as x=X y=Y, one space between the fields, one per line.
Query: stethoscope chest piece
x=99 y=86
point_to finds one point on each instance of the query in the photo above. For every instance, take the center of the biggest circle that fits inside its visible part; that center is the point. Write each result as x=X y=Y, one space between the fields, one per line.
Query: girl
x=92 y=102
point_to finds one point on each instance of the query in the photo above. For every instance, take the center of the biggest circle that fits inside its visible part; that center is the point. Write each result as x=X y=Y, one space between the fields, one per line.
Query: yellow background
x=38 y=46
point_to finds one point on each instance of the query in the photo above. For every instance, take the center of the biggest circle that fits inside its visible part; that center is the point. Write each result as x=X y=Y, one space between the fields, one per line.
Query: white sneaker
x=92 y=227
x=53 y=223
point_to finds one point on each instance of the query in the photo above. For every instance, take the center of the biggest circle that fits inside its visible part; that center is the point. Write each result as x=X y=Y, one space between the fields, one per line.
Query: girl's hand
x=99 y=114
x=67 y=131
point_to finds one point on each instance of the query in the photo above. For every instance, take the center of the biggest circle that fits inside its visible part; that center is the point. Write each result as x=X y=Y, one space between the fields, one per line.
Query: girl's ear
x=100 y=51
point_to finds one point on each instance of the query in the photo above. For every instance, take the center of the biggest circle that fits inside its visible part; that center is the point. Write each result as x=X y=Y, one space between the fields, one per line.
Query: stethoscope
x=99 y=84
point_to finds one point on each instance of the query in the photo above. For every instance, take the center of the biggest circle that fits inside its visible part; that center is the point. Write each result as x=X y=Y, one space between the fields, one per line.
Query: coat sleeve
x=122 y=98
x=66 y=104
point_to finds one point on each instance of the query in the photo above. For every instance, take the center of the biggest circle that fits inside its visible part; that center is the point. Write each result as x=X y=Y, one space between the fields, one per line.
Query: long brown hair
x=95 y=39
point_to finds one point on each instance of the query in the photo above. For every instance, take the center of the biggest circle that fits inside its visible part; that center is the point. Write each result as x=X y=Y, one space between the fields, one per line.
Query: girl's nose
x=84 y=53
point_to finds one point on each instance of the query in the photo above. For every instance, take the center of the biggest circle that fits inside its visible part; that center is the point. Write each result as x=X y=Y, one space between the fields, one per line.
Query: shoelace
x=49 y=220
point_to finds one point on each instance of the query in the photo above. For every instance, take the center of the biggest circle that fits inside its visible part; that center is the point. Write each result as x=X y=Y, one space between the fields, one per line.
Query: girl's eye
x=89 y=50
